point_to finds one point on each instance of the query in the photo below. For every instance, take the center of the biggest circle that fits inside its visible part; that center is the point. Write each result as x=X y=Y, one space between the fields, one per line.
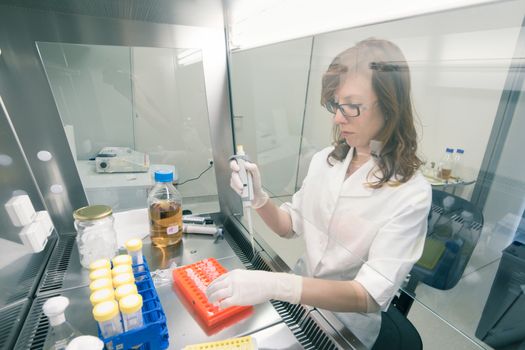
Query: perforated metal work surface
x=307 y=330
x=53 y=277
x=23 y=275
x=11 y=319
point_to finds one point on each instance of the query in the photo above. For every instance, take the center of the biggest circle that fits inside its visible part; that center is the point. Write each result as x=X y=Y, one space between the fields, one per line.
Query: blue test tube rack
x=153 y=334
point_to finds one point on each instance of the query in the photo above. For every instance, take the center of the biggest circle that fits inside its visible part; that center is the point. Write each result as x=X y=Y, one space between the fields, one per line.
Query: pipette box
x=153 y=334
x=192 y=281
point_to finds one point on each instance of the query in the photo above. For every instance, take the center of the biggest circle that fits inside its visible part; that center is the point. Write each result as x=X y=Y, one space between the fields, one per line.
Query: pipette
x=247 y=192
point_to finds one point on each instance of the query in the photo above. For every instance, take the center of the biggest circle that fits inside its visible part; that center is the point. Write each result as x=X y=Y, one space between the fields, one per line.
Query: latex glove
x=259 y=196
x=250 y=287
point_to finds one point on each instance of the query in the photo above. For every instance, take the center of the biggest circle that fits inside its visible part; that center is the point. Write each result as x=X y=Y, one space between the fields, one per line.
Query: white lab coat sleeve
x=294 y=208
x=396 y=247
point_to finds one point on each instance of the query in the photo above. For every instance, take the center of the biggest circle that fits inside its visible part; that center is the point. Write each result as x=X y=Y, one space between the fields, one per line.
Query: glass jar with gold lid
x=96 y=236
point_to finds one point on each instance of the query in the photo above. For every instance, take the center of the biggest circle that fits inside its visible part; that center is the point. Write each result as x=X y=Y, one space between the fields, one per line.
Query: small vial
x=120 y=269
x=101 y=295
x=123 y=259
x=100 y=284
x=125 y=278
x=134 y=248
x=125 y=290
x=100 y=273
x=108 y=318
x=131 y=309
x=100 y=264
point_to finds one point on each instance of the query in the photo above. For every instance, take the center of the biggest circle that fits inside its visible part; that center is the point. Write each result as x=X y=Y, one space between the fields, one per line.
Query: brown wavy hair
x=396 y=160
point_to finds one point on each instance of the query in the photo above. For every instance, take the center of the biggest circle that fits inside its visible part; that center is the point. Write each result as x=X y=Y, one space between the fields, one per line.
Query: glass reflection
x=128 y=111
x=457 y=88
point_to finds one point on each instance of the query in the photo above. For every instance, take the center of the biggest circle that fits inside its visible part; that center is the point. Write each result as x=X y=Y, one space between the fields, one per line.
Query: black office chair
x=454 y=227
x=397 y=332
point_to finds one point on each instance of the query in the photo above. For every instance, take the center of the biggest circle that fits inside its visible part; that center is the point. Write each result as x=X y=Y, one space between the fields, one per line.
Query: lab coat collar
x=356 y=184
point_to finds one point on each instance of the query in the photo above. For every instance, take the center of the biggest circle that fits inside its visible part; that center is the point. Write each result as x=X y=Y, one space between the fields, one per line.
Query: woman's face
x=358 y=131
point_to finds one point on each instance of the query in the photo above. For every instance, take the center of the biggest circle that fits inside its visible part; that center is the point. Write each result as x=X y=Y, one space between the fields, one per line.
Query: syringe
x=247 y=192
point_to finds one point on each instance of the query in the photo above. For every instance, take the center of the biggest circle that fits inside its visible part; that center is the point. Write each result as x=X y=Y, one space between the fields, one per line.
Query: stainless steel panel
x=182 y=12
x=23 y=75
x=68 y=274
x=20 y=268
x=20 y=278
x=277 y=337
x=10 y=322
x=183 y=328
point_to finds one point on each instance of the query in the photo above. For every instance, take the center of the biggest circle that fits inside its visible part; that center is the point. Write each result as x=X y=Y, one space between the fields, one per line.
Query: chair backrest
x=454 y=227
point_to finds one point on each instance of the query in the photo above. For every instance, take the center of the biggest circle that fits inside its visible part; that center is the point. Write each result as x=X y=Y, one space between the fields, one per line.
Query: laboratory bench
x=274 y=324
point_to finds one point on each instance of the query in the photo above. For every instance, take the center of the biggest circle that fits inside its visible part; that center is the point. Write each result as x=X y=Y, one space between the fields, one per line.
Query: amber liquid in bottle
x=165 y=223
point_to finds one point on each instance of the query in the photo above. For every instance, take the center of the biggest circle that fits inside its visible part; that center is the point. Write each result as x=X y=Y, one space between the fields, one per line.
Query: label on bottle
x=172 y=230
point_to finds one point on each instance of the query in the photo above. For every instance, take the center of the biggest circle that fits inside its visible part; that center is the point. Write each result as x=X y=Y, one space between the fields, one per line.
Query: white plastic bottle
x=61 y=332
x=458 y=155
x=86 y=342
x=446 y=164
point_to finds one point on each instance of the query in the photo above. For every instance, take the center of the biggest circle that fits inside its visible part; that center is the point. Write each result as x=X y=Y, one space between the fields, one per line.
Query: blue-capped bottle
x=165 y=211
x=445 y=165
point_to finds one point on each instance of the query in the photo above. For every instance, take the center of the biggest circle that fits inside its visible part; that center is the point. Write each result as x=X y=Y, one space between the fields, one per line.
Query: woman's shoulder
x=322 y=155
x=416 y=188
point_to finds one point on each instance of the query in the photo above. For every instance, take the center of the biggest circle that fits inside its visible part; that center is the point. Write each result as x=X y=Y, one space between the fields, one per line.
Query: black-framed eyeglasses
x=347 y=109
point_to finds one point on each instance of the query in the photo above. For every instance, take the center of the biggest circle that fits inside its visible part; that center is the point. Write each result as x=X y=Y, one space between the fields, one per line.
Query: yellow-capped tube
x=134 y=248
x=131 y=310
x=120 y=269
x=125 y=290
x=108 y=318
x=101 y=295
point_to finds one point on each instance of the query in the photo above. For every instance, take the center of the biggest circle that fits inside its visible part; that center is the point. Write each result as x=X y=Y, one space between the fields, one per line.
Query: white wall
x=290 y=19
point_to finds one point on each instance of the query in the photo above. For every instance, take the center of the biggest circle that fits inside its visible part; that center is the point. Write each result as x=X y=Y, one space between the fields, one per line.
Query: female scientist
x=362 y=208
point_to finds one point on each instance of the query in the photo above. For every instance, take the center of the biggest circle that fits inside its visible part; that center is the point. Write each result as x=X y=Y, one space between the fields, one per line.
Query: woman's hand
x=251 y=287
x=259 y=196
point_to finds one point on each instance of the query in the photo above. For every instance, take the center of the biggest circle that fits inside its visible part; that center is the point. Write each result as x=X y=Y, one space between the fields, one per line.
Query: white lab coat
x=355 y=232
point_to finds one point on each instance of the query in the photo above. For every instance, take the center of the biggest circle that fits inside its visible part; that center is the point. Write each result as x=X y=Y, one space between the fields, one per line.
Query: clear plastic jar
x=96 y=237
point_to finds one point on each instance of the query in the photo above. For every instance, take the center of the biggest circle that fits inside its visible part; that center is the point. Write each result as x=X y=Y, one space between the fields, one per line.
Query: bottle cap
x=54 y=309
x=450 y=150
x=124 y=278
x=130 y=303
x=120 y=269
x=134 y=245
x=164 y=176
x=101 y=295
x=125 y=290
x=460 y=151
x=105 y=311
x=100 y=264
x=100 y=283
x=85 y=342
x=240 y=150
x=92 y=212
x=100 y=273
x=123 y=259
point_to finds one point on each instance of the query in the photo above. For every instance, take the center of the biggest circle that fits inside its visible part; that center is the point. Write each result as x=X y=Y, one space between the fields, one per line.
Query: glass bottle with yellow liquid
x=165 y=211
